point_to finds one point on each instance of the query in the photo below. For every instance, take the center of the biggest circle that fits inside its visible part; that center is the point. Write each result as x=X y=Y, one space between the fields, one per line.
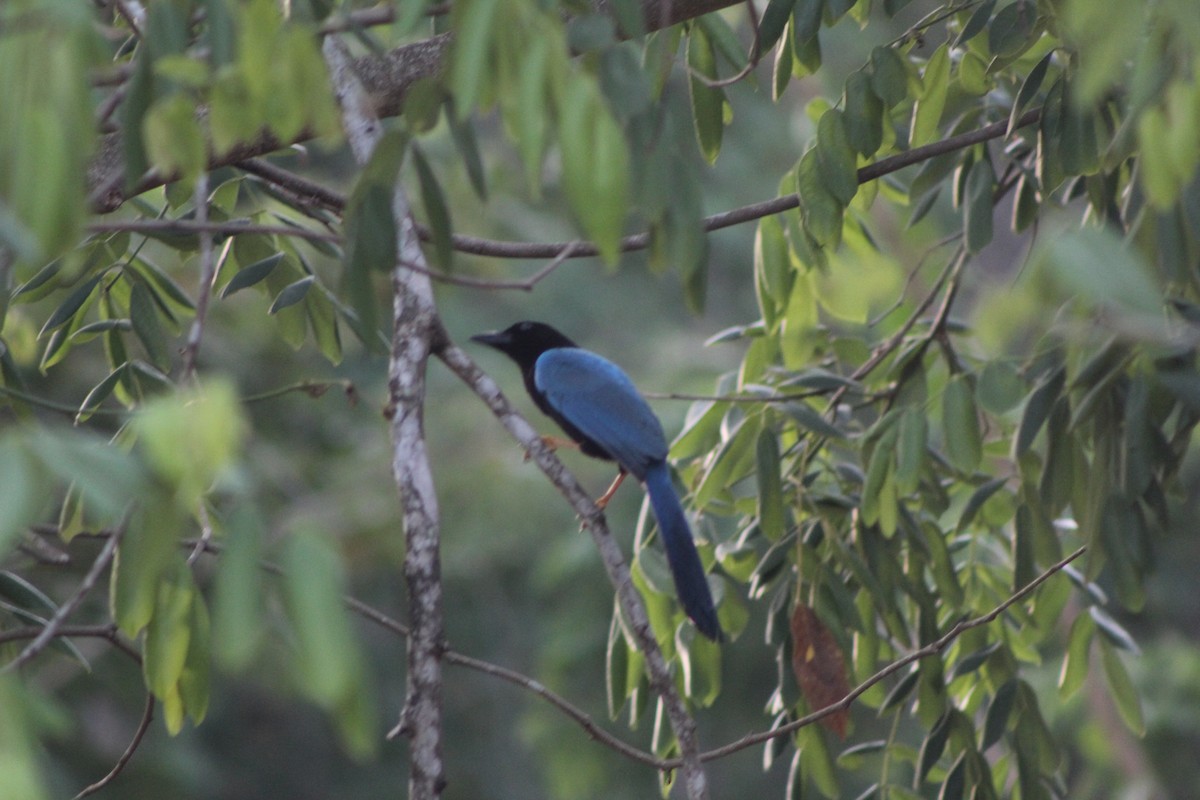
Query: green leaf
x=976 y=500
x=889 y=76
x=771 y=516
x=19 y=500
x=322 y=318
x=863 y=114
x=1079 y=148
x=251 y=274
x=1029 y=89
x=194 y=680
x=806 y=50
x=1122 y=689
x=835 y=157
x=1011 y=32
x=237 y=601
x=900 y=692
x=911 y=442
x=927 y=112
x=772 y=267
x=22 y=748
x=1095 y=264
x=192 y=437
x=977 y=207
x=708 y=103
x=774 y=20
x=595 y=167
x=1075 y=662
x=146 y=325
x=463 y=133
x=530 y=110
x=292 y=293
x=934 y=745
x=810 y=419
x=616 y=669
x=474 y=30
x=976 y=22
x=76 y=300
x=1037 y=409
x=999 y=388
x=998 y=713
x=960 y=425
x=327 y=653
x=435 y=209
x=781 y=70
x=99 y=394
x=731 y=462
x=168 y=633
x=819 y=209
x=173 y=138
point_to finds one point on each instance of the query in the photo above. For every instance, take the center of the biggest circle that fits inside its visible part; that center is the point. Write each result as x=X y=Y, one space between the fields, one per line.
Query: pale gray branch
x=416 y=334
x=661 y=680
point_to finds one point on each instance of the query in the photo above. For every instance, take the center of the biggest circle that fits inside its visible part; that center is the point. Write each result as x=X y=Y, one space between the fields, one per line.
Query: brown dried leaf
x=819 y=667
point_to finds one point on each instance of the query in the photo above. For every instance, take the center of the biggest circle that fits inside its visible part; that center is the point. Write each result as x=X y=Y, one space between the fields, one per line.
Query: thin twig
x=752 y=59
x=526 y=285
x=574 y=712
x=103 y=559
x=134 y=13
x=231 y=227
x=118 y=768
x=106 y=632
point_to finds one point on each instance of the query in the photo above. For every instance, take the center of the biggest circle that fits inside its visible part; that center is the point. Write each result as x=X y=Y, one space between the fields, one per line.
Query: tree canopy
x=938 y=455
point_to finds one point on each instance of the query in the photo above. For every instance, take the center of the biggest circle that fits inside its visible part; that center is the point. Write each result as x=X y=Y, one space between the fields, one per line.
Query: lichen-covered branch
x=416 y=334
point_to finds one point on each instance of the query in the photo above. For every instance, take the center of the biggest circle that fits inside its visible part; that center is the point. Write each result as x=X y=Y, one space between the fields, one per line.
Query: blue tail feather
x=691 y=584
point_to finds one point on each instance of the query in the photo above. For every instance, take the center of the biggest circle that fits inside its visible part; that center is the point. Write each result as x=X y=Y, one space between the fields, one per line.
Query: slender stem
x=119 y=767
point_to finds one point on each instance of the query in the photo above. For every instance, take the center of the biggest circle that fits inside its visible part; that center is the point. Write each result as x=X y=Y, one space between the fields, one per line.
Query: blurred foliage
x=926 y=390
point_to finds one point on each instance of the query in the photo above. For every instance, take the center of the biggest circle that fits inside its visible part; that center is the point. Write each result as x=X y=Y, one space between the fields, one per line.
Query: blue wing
x=599 y=399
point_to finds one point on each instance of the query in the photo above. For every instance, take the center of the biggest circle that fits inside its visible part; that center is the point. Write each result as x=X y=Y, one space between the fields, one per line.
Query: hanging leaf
x=820 y=667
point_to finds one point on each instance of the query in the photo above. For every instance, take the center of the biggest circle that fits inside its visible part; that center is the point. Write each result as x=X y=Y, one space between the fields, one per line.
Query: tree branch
x=495 y=248
x=47 y=634
x=416 y=334
x=119 y=767
x=661 y=680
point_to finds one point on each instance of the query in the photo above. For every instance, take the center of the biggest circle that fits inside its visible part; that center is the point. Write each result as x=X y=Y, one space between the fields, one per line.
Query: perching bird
x=598 y=406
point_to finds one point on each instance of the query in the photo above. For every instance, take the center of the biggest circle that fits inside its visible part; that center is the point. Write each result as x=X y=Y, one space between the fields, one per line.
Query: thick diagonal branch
x=661 y=681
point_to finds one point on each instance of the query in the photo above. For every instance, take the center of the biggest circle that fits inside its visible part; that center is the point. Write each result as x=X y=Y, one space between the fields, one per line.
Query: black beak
x=497 y=339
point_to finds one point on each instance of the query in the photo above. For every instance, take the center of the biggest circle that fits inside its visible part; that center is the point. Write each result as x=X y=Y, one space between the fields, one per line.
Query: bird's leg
x=555 y=442
x=602 y=501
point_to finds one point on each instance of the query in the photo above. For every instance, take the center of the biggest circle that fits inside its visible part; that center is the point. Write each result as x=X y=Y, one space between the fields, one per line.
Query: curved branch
x=118 y=768
x=497 y=248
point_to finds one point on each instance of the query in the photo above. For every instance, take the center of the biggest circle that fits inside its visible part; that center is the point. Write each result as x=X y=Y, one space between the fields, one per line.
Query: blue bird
x=598 y=406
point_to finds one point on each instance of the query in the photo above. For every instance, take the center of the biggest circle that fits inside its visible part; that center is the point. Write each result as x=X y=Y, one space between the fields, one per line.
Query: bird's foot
x=602 y=500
